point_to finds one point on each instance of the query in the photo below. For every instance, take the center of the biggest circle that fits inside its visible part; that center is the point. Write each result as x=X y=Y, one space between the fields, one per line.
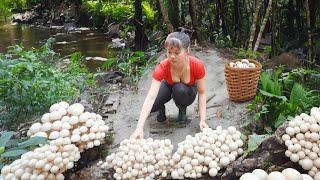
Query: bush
x=30 y=83
x=247 y=54
x=11 y=149
x=280 y=97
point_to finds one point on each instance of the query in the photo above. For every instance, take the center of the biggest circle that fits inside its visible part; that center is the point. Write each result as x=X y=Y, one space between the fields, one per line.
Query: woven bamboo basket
x=242 y=83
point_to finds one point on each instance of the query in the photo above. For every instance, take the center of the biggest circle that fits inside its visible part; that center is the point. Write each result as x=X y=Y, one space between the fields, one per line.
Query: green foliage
x=148 y=11
x=220 y=40
x=255 y=141
x=5 y=9
x=115 y=11
x=247 y=53
x=29 y=84
x=279 y=98
x=118 y=11
x=11 y=149
x=132 y=64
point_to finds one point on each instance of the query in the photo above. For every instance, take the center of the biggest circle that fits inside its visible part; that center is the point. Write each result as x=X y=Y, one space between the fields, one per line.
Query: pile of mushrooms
x=140 y=159
x=286 y=174
x=208 y=151
x=303 y=141
x=244 y=63
x=46 y=162
x=71 y=123
x=70 y=131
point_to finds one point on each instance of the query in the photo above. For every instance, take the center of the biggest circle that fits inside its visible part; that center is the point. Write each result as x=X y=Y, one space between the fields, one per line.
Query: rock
x=86 y=168
x=96 y=59
x=113 y=30
x=109 y=77
x=117 y=43
x=288 y=60
x=26 y=17
x=82 y=29
x=269 y=156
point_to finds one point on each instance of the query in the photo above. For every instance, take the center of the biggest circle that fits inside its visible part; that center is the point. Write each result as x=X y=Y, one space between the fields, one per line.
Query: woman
x=180 y=77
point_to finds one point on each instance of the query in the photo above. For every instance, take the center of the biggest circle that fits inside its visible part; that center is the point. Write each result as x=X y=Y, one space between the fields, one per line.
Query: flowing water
x=91 y=43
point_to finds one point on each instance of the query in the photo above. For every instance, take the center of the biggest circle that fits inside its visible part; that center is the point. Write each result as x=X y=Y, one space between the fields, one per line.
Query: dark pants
x=183 y=95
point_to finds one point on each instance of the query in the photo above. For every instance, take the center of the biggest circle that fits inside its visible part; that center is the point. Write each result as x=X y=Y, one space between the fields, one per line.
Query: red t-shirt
x=162 y=71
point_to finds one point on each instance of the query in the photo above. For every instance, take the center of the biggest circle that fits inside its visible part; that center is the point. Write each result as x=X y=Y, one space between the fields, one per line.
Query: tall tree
x=196 y=20
x=165 y=16
x=254 y=24
x=175 y=18
x=138 y=38
x=263 y=25
x=237 y=25
x=306 y=5
x=290 y=17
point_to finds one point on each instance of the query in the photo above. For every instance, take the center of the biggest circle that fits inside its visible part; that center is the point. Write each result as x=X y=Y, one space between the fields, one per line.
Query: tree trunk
x=254 y=24
x=314 y=4
x=183 y=13
x=299 y=18
x=246 y=24
x=264 y=22
x=138 y=38
x=306 y=4
x=290 y=21
x=165 y=16
x=217 y=17
x=196 y=20
x=237 y=24
x=274 y=31
x=175 y=13
x=223 y=17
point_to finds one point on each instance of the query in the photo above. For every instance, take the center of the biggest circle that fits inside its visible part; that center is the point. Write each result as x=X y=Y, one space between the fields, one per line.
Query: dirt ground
x=220 y=111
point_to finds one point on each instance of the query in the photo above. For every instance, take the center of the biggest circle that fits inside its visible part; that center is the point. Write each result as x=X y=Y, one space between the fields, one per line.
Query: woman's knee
x=181 y=94
x=180 y=89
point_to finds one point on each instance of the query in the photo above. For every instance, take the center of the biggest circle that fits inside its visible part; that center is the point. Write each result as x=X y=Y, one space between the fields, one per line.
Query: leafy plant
x=220 y=40
x=11 y=149
x=132 y=64
x=255 y=141
x=29 y=84
x=277 y=102
x=247 y=53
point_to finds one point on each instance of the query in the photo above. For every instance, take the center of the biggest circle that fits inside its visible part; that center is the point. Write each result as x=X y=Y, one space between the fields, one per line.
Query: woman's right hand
x=137 y=134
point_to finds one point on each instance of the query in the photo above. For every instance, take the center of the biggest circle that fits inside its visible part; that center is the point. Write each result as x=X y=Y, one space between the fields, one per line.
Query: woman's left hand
x=203 y=124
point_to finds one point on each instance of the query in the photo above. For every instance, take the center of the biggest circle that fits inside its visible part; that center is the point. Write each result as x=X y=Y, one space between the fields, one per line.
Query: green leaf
x=283 y=98
x=243 y=137
x=255 y=141
x=297 y=95
x=5 y=137
x=36 y=140
x=1 y=150
x=14 y=153
x=279 y=121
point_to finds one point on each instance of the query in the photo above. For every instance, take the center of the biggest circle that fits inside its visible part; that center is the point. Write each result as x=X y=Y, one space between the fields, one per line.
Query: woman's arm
x=202 y=101
x=146 y=108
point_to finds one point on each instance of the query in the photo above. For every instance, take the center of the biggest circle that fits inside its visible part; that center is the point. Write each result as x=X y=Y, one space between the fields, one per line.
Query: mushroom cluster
x=286 y=174
x=303 y=141
x=208 y=151
x=46 y=162
x=71 y=123
x=244 y=63
x=140 y=159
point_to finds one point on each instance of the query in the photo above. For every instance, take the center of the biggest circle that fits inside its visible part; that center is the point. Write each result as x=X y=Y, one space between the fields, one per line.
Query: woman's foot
x=161 y=117
x=182 y=117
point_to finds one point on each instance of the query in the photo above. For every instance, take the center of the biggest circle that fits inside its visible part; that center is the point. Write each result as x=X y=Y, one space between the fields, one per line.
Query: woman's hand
x=203 y=124
x=137 y=134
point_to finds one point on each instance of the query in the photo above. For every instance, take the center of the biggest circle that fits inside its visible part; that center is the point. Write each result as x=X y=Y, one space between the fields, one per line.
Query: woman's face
x=176 y=55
